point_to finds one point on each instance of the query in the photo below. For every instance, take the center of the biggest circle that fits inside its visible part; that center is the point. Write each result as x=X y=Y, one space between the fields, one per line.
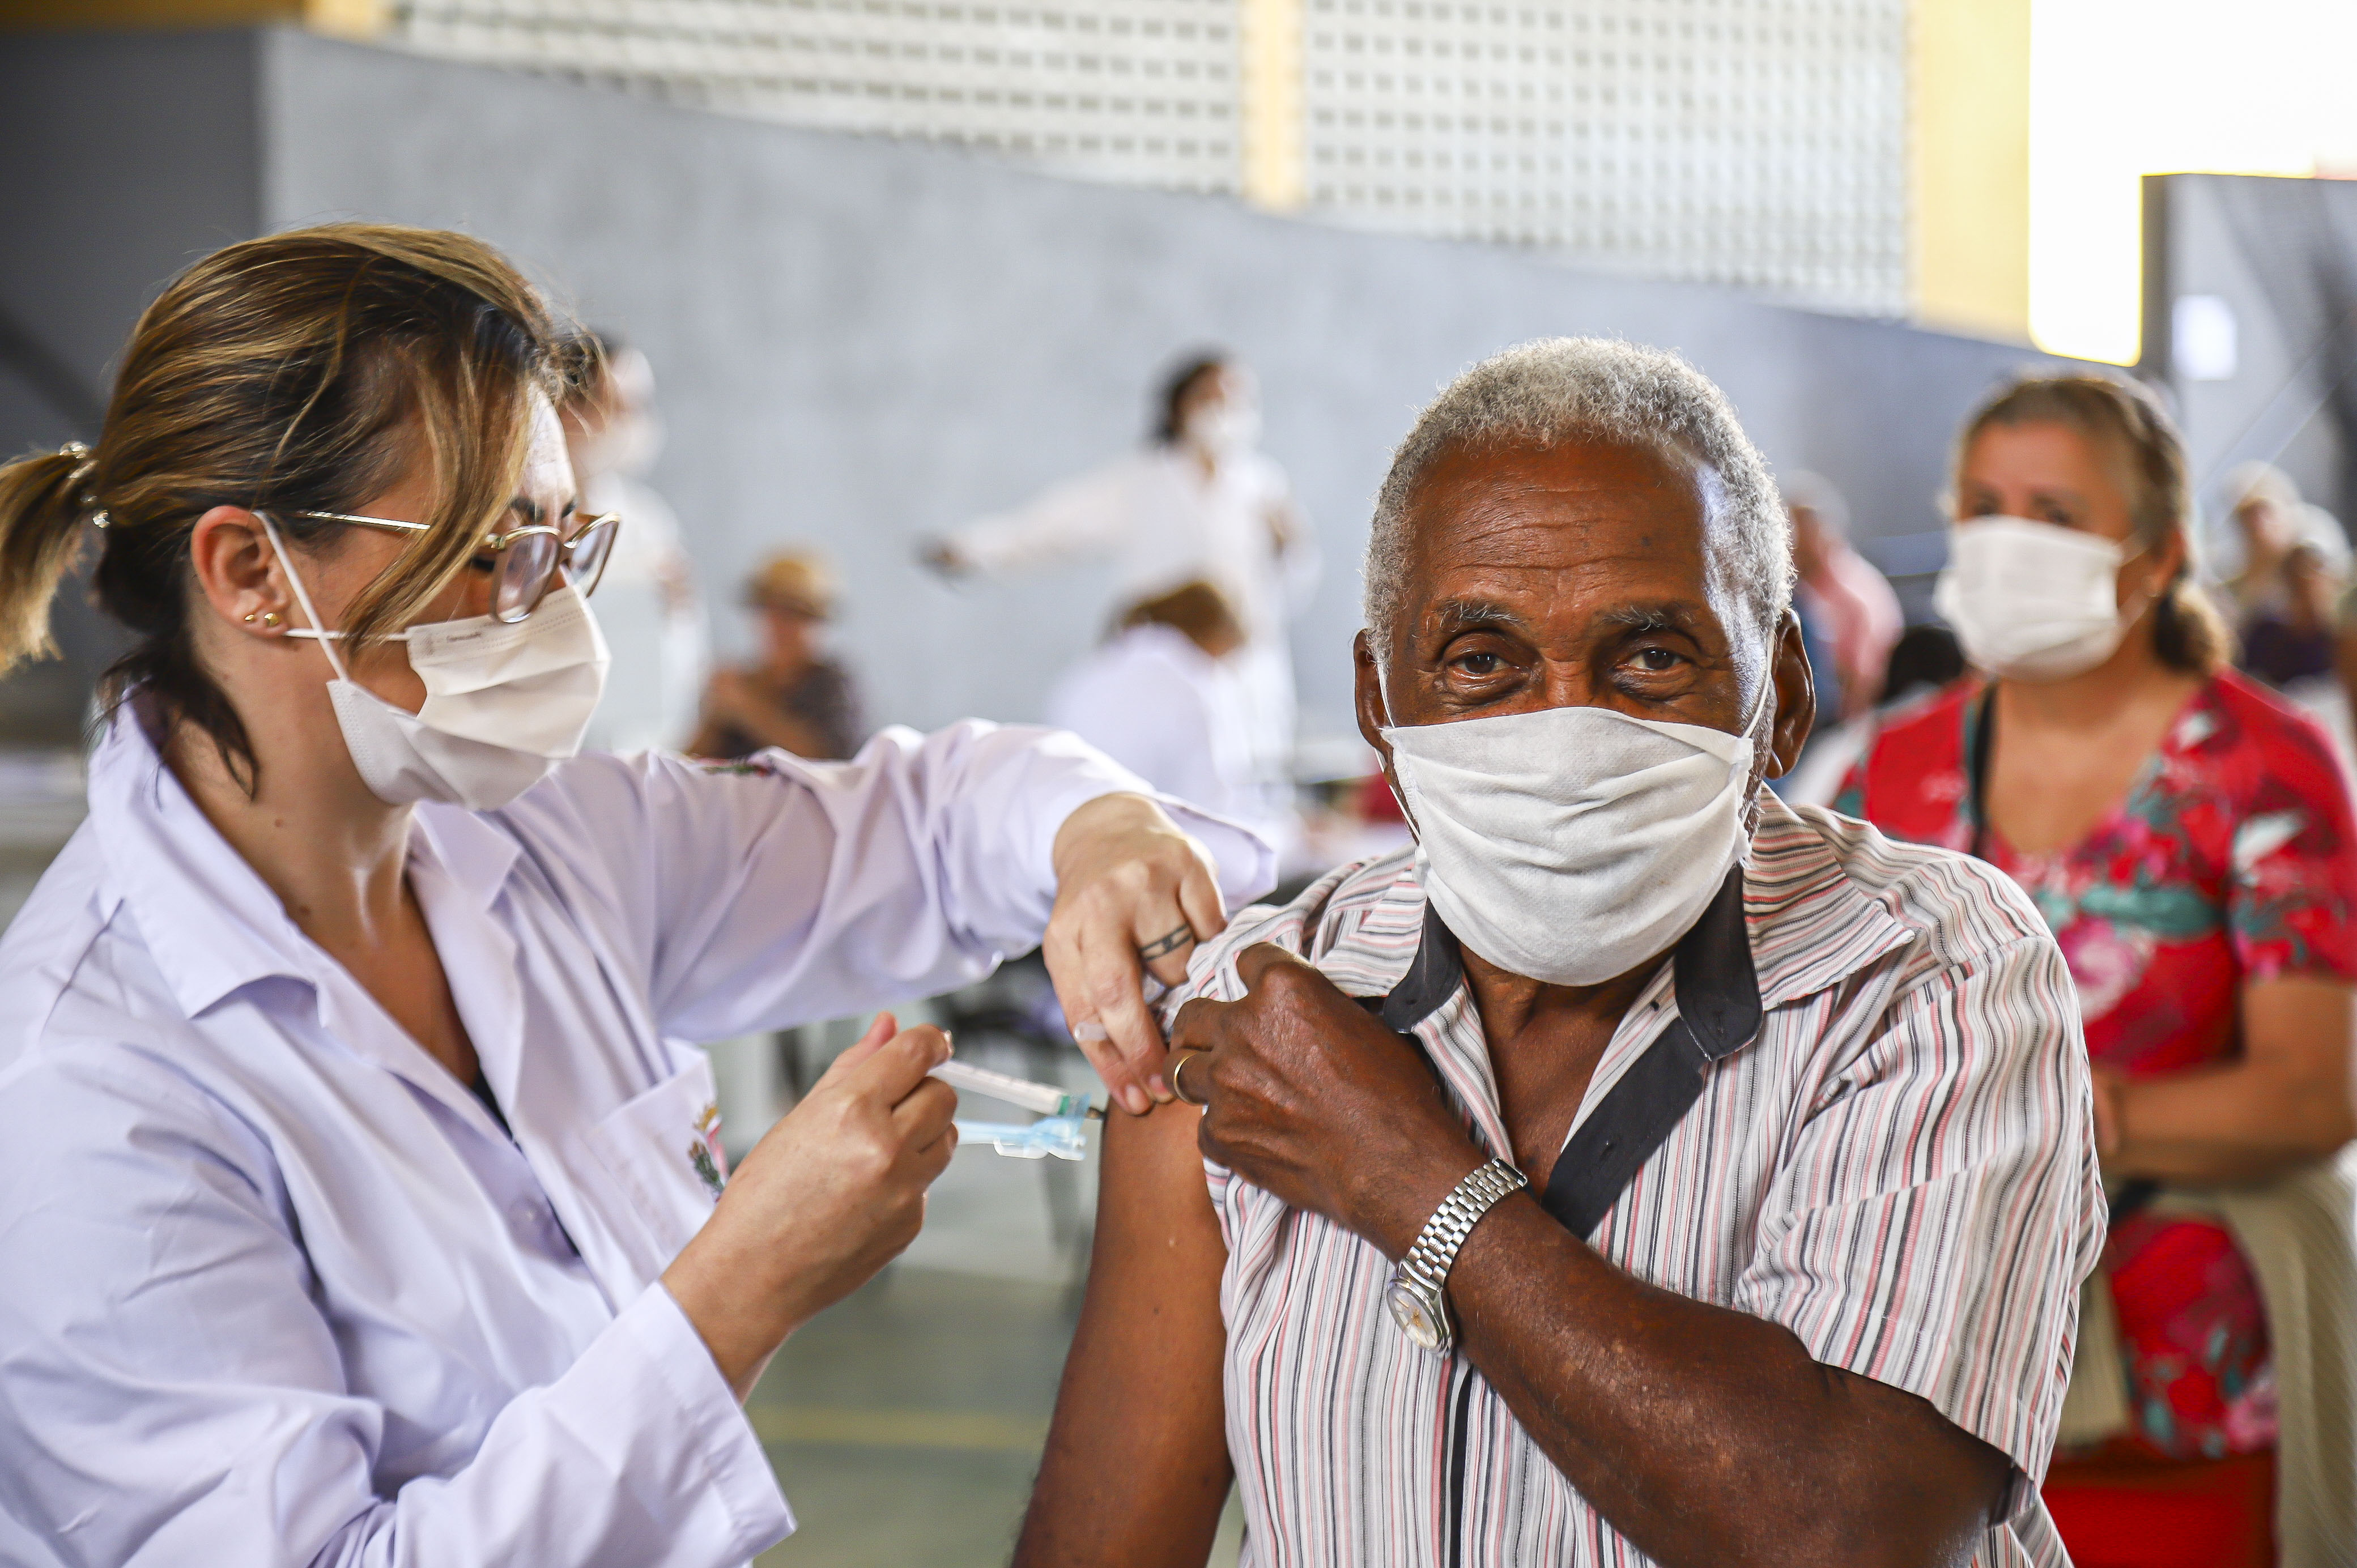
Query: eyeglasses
x=529 y=557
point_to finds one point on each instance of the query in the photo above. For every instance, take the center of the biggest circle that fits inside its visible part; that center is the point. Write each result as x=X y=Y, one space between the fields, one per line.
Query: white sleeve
x=1085 y=515
x=1301 y=566
x=1148 y=718
x=171 y=1392
x=776 y=891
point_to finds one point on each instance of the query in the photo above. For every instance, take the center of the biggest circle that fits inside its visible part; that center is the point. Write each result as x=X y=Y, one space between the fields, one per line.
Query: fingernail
x=1160 y=1087
x=1134 y=1101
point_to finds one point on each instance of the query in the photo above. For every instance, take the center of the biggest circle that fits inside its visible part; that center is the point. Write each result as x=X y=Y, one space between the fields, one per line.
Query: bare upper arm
x=2301 y=1028
x=1137 y=1463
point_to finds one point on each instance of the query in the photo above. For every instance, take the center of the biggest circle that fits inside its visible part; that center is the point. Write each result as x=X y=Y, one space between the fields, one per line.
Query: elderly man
x=1640 y=1170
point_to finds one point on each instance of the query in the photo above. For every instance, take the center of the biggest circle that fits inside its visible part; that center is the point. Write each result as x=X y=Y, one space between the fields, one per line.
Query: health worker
x=358 y=1199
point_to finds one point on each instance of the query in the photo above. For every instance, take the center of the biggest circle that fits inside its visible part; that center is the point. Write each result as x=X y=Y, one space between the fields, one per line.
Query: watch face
x=1417 y=1317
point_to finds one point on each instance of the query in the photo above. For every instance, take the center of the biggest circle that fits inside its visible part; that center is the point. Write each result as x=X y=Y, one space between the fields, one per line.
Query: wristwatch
x=1417 y=1294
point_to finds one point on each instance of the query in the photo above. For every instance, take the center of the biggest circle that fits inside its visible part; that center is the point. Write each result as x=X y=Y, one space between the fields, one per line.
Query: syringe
x=1046 y=1099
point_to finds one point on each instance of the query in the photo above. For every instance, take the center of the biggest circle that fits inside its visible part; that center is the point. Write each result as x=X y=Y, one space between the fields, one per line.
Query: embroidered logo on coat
x=705 y=1154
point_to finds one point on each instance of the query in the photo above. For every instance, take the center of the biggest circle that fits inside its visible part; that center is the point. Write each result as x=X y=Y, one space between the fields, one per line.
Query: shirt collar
x=1812 y=925
x=468 y=848
x=210 y=922
x=1718 y=987
x=1788 y=924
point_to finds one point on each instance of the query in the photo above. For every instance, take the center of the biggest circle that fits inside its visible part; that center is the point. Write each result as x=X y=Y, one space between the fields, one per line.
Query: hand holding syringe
x=1062 y=1132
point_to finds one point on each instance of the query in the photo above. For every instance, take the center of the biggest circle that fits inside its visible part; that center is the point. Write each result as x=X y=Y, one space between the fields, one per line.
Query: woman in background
x=2188 y=837
x=796 y=699
x=1199 y=500
x=1162 y=697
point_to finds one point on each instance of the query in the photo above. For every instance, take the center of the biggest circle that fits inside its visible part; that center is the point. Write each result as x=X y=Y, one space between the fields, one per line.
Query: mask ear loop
x=1759 y=702
x=325 y=639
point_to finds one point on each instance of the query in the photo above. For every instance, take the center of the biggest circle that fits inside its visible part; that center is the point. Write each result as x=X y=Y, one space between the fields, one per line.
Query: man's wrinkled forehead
x=1584 y=517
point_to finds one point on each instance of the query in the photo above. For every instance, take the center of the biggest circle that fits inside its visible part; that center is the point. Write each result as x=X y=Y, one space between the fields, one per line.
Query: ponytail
x=2189 y=635
x=42 y=502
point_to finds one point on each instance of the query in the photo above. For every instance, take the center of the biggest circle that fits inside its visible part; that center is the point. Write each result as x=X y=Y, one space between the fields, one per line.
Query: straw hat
x=798 y=580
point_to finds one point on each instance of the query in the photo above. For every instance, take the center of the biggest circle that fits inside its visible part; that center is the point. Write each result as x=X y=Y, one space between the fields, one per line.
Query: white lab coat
x=661 y=643
x=1179 y=719
x=276 y=1288
x=1162 y=522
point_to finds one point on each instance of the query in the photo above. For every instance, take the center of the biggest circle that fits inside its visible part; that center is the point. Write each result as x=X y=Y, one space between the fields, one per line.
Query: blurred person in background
x=2290 y=641
x=1924 y=660
x=2269 y=519
x=362 y=1192
x=1841 y=594
x=650 y=609
x=1162 y=697
x=795 y=697
x=2188 y=837
x=1199 y=502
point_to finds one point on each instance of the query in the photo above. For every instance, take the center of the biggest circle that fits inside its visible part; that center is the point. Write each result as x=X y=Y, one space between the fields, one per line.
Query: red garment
x=2229 y=861
x=2118 y=1509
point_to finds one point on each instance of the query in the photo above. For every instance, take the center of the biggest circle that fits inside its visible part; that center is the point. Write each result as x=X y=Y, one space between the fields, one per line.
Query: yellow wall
x=1969 y=166
x=1275 y=171
x=350 y=18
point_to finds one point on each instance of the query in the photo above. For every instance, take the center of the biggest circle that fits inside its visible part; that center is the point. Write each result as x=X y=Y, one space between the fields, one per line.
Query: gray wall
x=122 y=159
x=861 y=342
x=2282 y=254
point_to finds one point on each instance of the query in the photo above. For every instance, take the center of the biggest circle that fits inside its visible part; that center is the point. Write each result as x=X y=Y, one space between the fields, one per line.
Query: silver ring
x=1178 y=1067
x=1163 y=946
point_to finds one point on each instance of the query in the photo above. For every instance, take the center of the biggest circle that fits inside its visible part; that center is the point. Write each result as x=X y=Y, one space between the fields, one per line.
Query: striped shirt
x=1899 y=1166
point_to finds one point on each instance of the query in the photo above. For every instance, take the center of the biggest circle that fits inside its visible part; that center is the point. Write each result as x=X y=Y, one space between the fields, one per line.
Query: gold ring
x=1178 y=1067
x=1167 y=944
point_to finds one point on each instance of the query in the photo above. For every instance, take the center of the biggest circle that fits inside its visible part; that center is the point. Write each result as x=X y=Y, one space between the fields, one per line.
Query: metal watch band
x=1437 y=1245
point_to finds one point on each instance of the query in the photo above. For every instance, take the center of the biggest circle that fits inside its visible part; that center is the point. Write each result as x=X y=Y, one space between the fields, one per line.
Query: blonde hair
x=300 y=372
x=2128 y=422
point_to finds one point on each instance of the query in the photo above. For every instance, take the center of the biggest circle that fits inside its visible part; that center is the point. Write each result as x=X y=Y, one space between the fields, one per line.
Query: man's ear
x=1375 y=713
x=1367 y=696
x=1796 y=698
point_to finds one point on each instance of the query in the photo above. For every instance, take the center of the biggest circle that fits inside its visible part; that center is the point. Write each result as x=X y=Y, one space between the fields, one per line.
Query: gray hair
x=1544 y=393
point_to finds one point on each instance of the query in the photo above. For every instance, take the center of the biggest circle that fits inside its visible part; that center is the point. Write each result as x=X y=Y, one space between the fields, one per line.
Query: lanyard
x=1984 y=742
x=2128 y=1197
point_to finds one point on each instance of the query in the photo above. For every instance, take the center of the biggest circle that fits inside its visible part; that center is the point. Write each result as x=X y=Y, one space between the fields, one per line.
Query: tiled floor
x=906 y=1423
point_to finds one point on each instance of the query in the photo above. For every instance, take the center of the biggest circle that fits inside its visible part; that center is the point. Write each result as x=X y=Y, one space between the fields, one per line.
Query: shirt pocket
x=658 y=1155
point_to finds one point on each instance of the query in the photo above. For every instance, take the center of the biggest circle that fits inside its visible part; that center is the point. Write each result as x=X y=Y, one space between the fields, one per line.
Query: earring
x=248 y=618
x=270 y=617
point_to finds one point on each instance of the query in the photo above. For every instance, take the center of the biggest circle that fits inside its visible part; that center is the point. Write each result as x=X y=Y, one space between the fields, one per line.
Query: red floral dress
x=2229 y=861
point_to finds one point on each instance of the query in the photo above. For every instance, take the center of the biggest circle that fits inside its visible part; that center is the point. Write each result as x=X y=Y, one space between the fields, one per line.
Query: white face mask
x=1571 y=844
x=2033 y=601
x=1225 y=429
x=504 y=703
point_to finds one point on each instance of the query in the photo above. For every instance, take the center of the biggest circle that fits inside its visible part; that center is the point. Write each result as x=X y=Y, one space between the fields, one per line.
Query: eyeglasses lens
x=586 y=553
x=525 y=568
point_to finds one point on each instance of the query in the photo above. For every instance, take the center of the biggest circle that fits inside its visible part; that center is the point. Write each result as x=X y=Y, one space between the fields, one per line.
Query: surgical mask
x=2033 y=601
x=1225 y=429
x=504 y=701
x=1570 y=844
